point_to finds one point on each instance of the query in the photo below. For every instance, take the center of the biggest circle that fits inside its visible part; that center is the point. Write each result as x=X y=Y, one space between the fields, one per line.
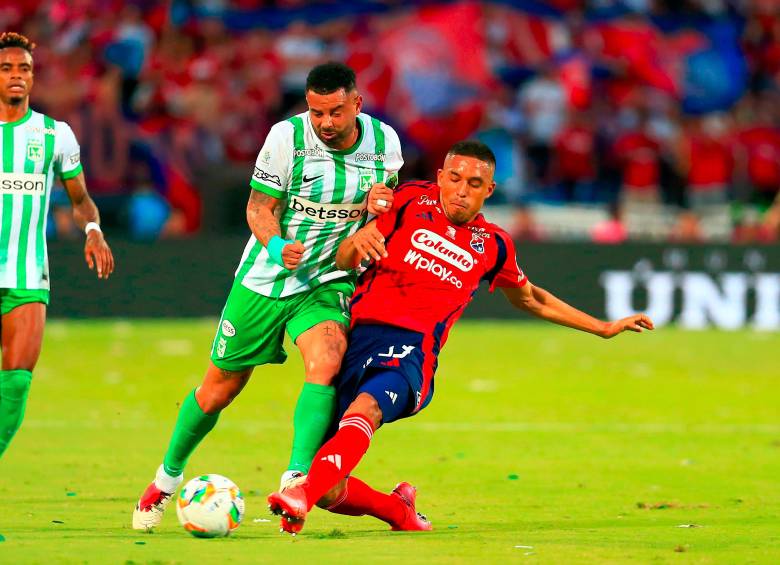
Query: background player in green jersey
x=35 y=148
x=316 y=178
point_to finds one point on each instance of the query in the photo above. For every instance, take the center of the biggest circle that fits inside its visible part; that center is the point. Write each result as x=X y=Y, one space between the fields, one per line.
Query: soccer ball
x=210 y=506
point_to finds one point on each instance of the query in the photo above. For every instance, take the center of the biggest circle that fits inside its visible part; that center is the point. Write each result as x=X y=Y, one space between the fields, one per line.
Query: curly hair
x=12 y=39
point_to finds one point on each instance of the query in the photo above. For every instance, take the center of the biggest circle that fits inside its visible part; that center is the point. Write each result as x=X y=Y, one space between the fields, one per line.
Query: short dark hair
x=330 y=77
x=13 y=39
x=473 y=148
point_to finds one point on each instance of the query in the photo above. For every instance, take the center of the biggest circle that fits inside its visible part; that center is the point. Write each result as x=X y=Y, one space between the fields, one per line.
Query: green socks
x=191 y=427
x=313 y=416
x=14 y=386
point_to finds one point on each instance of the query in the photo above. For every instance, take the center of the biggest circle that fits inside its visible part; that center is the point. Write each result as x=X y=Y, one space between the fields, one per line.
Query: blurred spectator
x=299 y=48
x=590 y=97
x=759 y=156
x=709 y=154
x=637 y=154
x=501 y=125
x=147 y=210
x=543 y=102
x=612 y=230
x=687 y=229
x=770 y=228
x=524 y=226
x=575 y=158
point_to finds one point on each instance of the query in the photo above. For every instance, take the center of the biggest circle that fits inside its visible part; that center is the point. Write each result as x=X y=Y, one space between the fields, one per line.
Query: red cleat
x=291 y=506
x=413 y=521
x=148 y=512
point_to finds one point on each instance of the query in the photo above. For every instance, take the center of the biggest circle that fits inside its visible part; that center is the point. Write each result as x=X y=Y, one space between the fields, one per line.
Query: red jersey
x=762 y=145
x=712 y=163
x=433 y=267
x=638 y=155
x=575 y=148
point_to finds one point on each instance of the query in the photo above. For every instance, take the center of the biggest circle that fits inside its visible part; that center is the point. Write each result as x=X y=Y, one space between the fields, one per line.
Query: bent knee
x=323 y=370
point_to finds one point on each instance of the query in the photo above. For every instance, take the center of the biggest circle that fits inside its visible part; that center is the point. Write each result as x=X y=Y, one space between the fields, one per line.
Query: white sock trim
x=358 y=423
x=165 y=482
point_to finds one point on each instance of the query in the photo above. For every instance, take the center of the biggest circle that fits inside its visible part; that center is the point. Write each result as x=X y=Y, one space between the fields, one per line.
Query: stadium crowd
x=624 y=104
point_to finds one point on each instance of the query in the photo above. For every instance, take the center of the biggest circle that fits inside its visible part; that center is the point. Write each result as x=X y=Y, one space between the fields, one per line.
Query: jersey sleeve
x=507 y=273
x=67 y=153
x=403 y=196
x=393 y=158
x=275 y=161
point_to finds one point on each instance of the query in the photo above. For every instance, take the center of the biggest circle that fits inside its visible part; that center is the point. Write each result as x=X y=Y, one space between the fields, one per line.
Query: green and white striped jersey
x=325 y=193
x=35 y=149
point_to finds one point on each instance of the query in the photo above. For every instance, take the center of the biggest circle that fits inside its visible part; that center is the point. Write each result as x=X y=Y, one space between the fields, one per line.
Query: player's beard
x=15 y=99
x=336 y=141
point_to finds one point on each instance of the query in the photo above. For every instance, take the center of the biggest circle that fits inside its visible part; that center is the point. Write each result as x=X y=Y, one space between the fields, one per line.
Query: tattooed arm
x=265 y=226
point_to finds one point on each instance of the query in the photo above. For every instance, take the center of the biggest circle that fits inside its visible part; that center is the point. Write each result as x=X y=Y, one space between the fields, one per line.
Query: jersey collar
x=20 y=121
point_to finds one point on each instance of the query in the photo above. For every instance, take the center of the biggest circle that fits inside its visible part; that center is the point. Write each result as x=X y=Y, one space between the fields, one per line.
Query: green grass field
x=542 y=445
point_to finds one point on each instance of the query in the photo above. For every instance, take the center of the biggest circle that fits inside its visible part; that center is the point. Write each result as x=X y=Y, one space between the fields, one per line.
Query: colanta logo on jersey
x=321 y=212
x=437 y=246
x=22 y=183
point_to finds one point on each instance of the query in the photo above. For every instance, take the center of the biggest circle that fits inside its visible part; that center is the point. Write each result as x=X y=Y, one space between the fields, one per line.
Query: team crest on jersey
x=35 y=151
x=477 y=243
x=366 y=181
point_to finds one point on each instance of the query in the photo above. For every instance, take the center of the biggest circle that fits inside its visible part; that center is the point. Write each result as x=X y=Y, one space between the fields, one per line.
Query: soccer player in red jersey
x=427 y=258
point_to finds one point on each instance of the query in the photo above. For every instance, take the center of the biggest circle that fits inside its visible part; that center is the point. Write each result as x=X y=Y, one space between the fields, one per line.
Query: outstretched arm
x=265 y=227
x=542 y=304
x=97 y=253
x=365 y=244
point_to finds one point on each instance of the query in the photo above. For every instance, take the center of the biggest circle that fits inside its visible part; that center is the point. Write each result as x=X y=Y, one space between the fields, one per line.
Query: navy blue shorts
x=390 y=364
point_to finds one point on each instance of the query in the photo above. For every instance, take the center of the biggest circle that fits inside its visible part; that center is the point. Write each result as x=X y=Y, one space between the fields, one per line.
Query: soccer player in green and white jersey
x=35 y=148
x=317 y=177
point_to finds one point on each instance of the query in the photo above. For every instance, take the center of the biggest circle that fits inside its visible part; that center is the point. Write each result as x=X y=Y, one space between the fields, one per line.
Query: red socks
x=336 y=459
x=359 y=499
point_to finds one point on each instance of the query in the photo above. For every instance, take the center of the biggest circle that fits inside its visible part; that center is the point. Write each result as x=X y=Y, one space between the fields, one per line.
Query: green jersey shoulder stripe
x=34 y=149
x=323 y=193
